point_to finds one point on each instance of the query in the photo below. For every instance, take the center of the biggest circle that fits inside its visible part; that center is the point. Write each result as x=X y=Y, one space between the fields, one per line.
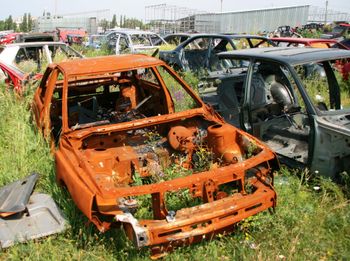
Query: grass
x=309 y=223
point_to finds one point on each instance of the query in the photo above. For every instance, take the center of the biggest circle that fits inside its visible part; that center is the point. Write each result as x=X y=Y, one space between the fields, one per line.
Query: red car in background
x=10 y=75
x=13 y=77
x=304 y=42
x=9 y=38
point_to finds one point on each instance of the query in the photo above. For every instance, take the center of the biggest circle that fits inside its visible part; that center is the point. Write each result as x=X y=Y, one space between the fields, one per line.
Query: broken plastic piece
x=14 y=197
x=171 y=216
x=43 y=218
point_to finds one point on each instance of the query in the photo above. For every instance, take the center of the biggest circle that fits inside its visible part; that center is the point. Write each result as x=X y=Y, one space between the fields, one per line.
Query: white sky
x=136 y=8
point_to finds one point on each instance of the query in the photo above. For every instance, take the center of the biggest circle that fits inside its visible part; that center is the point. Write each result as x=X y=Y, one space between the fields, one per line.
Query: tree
x=10 y=24
x=104 y=24
x=121 y=21
x=30 y=22
x=2 y=25
x=23 y=27
x=114 y=21
x=133 y=23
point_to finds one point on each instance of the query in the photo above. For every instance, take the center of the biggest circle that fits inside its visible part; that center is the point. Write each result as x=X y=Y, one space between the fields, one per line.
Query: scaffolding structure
x=324 y=15
x=164 y=18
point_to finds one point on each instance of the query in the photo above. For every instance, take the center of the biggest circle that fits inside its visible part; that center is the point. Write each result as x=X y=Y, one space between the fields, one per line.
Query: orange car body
x=102 y=149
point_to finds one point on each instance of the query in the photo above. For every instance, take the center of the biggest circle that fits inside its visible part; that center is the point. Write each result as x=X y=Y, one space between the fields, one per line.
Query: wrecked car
x=199 y=52
x=135 y=146
x=340 y=31
x=124 y=41
x=304 y=42
x=11 y=76
x=33 y=57
x=291 y=99
x=176 y=38
x=344 y=44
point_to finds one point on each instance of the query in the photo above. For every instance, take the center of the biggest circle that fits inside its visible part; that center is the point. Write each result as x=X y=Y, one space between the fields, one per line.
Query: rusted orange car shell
x=103 y=147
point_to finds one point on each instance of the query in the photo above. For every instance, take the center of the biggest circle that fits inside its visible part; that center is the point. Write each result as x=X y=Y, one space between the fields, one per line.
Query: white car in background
x=35 y=56
x=132 y=41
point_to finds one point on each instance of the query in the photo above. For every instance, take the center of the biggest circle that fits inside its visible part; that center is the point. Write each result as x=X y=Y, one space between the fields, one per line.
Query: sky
x=136 y=8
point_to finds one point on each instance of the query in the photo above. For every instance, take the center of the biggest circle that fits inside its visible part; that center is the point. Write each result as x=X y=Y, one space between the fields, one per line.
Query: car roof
x=302 y=40
x=130 y=31
x=248 y=36
x=106 y=64
x=227 y=36
x=13 y=69
x=288 y=55
x=179 y=34
x=32 y=44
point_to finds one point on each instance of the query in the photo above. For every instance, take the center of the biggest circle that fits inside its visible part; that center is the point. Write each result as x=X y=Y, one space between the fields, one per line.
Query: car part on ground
x=24 y=216
x=291 y=99
x=135 y=146
x=41 y=218
x=14 y=197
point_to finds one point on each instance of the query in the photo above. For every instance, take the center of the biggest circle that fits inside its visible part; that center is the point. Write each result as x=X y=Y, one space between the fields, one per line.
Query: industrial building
x=84 y=20
x=251 y=21
x=43 y=24
x=170 y=19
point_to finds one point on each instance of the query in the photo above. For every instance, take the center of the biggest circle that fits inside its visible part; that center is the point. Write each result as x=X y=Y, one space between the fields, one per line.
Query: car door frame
x=246 y=113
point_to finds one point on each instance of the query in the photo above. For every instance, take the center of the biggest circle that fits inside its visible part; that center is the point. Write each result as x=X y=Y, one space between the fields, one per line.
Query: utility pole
x=221 y=6
x=55 y=8
x=326 y=13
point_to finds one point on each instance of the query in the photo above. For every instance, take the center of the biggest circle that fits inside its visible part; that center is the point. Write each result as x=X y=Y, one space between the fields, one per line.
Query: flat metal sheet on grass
x=42 y=218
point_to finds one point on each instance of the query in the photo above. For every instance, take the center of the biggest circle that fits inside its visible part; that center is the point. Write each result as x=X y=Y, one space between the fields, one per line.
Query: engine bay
x=194 y=144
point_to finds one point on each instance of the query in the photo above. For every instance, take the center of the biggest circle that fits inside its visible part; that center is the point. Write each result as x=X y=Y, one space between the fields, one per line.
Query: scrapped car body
x=290 y=98
x=303 y=42
x=199 y=52
x=177 y=38
x=40 y=53
x=11 y=76
x=36 y=37
x=96 y=41
x=8 y=38
x=344 y=44
x=132 y=144
x=340 y=31
x=126 y=41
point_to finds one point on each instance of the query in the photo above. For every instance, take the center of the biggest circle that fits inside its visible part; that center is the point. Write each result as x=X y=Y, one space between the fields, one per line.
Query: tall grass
x=312 y=219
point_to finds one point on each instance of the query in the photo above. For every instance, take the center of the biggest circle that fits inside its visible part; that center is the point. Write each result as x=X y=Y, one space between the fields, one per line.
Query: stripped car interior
x=291 y=99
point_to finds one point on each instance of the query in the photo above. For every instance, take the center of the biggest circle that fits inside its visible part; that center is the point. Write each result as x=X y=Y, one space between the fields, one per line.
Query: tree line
x=25 y=26
x=27 y=23
x=123 y=22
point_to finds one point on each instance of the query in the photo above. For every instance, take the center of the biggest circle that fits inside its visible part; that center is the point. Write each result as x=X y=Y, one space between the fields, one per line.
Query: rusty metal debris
x=135 y=146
